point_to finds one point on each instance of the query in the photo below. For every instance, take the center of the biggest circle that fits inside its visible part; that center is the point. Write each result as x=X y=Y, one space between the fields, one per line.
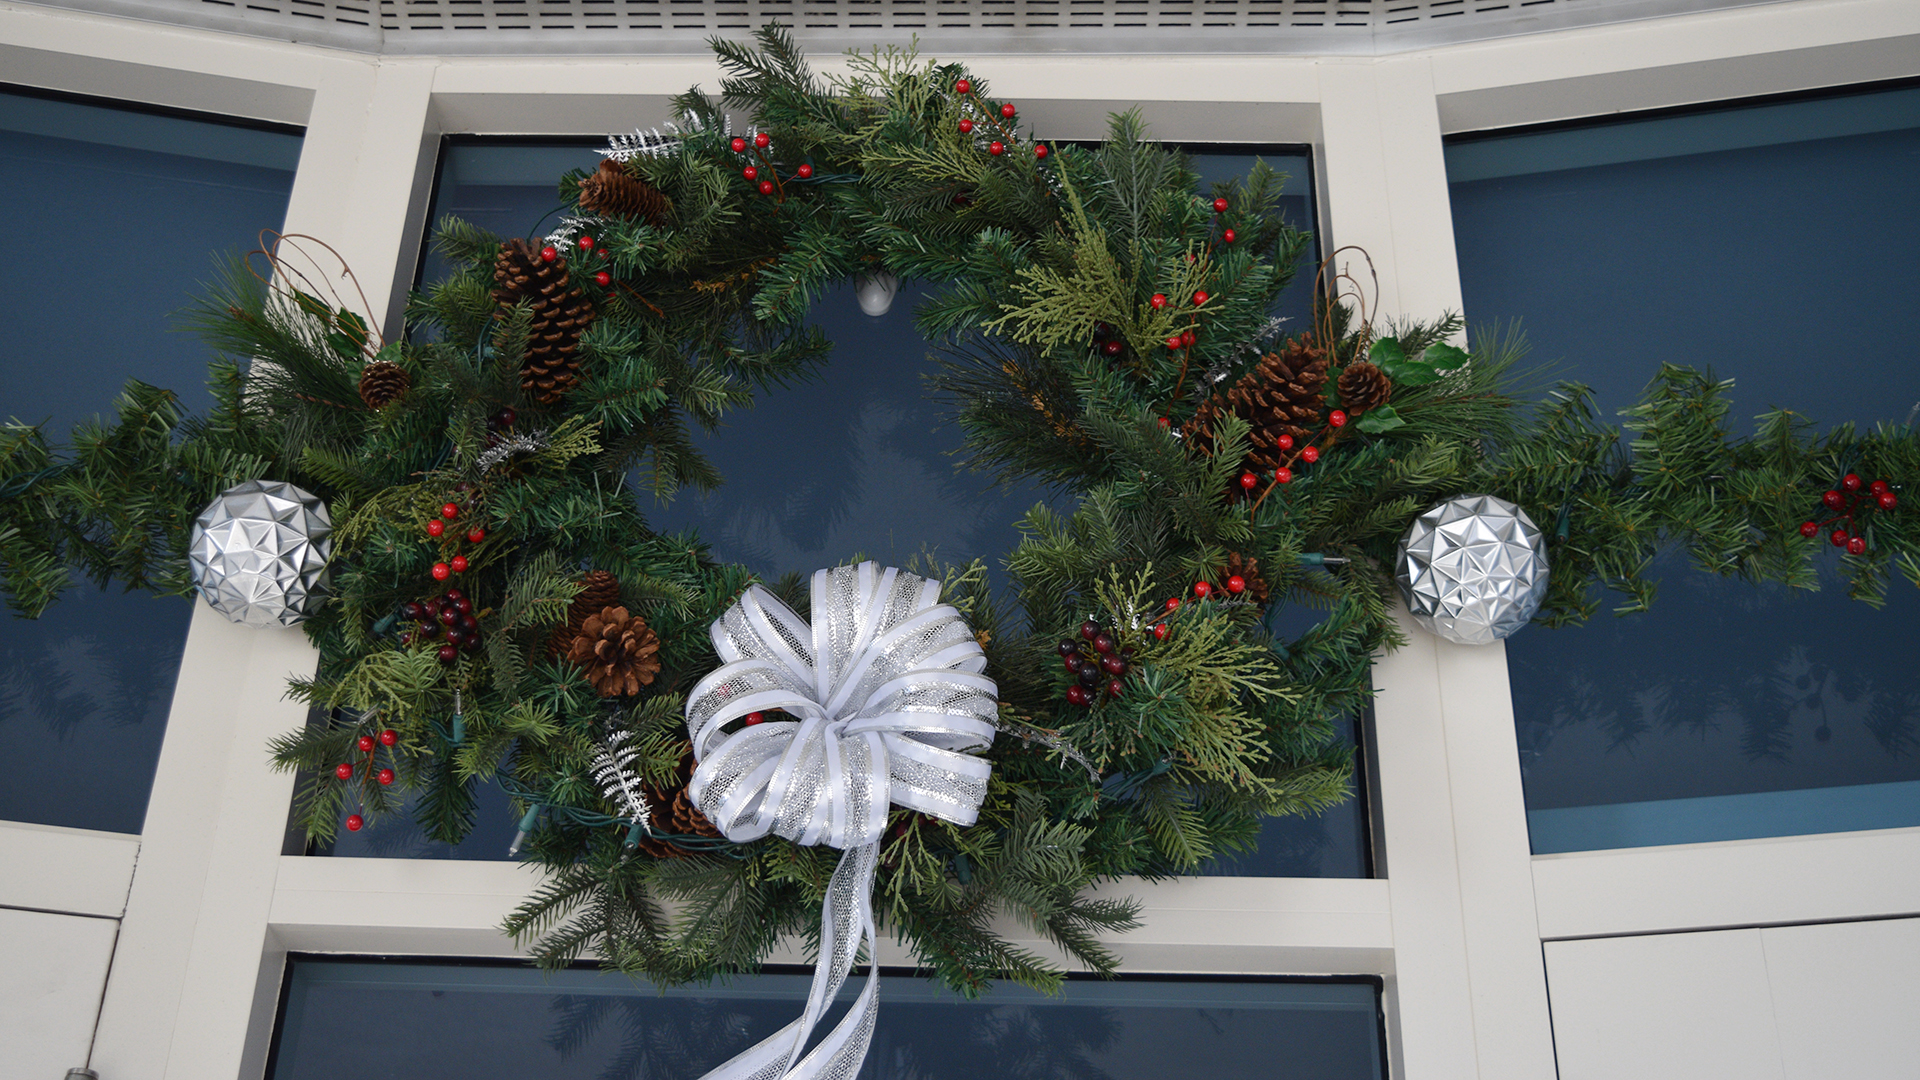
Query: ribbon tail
x=846 y=920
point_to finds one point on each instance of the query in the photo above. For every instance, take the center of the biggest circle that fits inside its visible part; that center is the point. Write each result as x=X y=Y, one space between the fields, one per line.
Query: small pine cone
x=686 y=818
x=382 y=383
x=1283 y=395
x=599 y=590
x=1248 y=570
x=617 y=651
x=614 y=190
x=1363 y=386
x=561 y=314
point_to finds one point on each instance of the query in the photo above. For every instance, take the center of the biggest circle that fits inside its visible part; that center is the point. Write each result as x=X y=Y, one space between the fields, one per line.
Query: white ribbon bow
x=887 y=698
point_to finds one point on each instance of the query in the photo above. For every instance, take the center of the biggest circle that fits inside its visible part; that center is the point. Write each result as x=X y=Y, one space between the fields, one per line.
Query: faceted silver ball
x=1473 y=569
x=259 y=553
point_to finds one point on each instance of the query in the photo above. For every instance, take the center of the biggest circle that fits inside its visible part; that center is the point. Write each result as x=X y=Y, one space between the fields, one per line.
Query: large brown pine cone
x=614 y=190
x=598 y=590
x=1283 y=395
x=617 y=651
x=1248 y=570
x=382 y=383
x=561 y=314
x=1363 y=386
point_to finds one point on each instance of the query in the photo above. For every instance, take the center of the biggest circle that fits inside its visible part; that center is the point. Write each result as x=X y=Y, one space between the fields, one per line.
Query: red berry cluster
x=760 y=169
x=1108 y=342
x=451 y=614
x=1097 y=663
x=369 y=746
x=998 y=121
x=1234 y=585
x=1846 y=504
x=448 y=535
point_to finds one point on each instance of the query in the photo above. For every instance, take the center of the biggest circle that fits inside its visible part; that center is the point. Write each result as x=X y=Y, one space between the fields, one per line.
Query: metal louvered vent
x=975 y=27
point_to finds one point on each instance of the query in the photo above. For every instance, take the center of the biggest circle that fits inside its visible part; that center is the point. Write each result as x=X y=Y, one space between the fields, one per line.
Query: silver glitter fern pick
x=612 y=770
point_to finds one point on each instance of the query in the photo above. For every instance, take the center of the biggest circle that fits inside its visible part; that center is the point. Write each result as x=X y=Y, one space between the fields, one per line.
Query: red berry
x=1219 y=206
x=963 y=87
x=454 y=595
x=1175 y=342
x=343 y=770
x=1888 y=500
x=548 y=254
x=1089 y=630
x=804 y=171
x=1073 y=660
x=450 y=614
x=1877 y=487
x=1159 y=301
x=435 y=527
x=365 y=743
x=1808 y=529
x=1113 y=348
x=459 y=564
x=385 y=776
x=1202 y=589
x=506 y=417
x=1285 y=442
x=355 y=822
x=1103 y=643
x=1249 y=481
x=750 y=173
x=1173 y=603
x=1186 y=339
x=1114 y=688
x=476 y=534
x=966 y=127
x=1337 y=418
x=1851 y=482
x=603 y=279
x=463 y=606
x=1283 y=475
x=389 y=737
x=1310 y=455
x=1040 y=151
x=763 y=140
x=1839 y=538
x=996 y=148
x=739 y=146
x=1857 y=546
x=1236 y=584
x=1077 y=694
x=1200 y=298
x=766 y=187
x=1007 y=110
x=586 y=243
x=450 y=511
x=1165 y=423
x=441 y=571
x=1113 y=665
x=448 y=653
x=1227 y=236
x=1160 y=631
x=1834 y=500
x=753 y=718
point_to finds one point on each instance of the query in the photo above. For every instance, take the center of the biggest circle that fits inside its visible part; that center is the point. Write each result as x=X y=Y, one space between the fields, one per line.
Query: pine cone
x=618 y=652
x=561 y=314
x=1281 y=396
x=614 y=190
x=1363 y=386
x=1248 y=570
x=674 y=814
x=382 y=383
x=598 y=590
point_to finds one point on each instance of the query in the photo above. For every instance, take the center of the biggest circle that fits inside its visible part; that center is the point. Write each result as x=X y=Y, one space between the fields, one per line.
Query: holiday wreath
x=499 y=608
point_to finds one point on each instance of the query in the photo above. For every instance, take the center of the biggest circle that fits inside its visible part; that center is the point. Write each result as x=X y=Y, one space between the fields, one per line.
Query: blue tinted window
x=857 y=460
x=347 y=1021
x=1774 y=245
x=114 y=213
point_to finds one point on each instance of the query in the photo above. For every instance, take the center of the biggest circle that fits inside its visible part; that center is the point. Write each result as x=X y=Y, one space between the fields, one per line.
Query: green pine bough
x=1074 y=276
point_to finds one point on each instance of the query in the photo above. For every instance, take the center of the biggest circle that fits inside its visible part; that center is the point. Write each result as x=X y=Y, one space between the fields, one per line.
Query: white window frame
x=1456 y=922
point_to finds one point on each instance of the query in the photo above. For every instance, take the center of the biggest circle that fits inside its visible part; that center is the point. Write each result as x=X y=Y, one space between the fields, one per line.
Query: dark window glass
x=114 y=214
x=346 y=1020
x=1773 y=244
x=858 y=460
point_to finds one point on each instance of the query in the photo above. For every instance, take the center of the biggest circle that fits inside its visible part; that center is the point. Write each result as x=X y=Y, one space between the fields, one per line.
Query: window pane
x=858 y=460
x=512 y=1022
x=1773 y=244
x=122 y=209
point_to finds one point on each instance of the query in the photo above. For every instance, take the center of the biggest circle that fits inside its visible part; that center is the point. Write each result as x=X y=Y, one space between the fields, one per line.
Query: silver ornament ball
x=259 y=553
x=1473 y=569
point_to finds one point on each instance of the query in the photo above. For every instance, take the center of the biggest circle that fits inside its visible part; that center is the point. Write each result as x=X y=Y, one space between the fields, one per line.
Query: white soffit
x=969 y=27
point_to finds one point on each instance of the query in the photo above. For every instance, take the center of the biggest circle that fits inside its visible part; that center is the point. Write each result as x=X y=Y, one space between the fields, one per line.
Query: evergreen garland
x=1051 y=258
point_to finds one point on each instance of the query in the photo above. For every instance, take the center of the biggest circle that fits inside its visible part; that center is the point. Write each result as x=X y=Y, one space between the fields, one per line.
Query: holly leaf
x=1444 y=357
x=1390 y=357
x=1387 y=352
x=1378 y=419
x=312 y=305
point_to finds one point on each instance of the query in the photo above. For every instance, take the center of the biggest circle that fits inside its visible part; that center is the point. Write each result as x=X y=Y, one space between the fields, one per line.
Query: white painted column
x=195 y=958
x=1469 y=987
